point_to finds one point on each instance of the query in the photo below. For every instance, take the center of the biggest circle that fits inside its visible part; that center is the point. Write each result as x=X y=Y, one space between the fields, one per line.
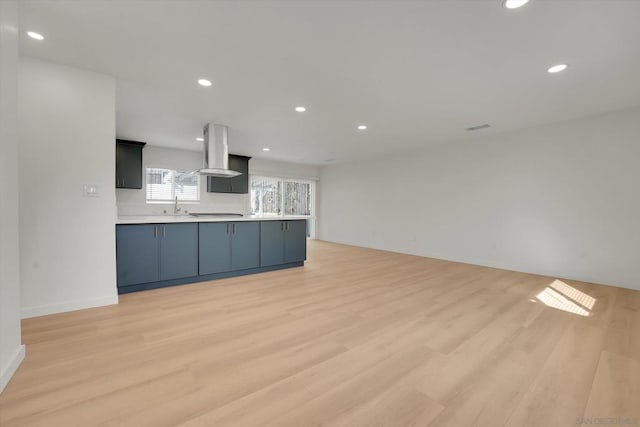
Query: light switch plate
x=90 y=190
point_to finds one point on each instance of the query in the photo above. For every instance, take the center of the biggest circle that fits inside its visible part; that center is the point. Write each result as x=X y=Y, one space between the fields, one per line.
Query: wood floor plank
x=623 y=328
x=399 y=405
x=559 y=393
x=357 y=337
x=349 y=394
x=615 y=393
x=489 y=395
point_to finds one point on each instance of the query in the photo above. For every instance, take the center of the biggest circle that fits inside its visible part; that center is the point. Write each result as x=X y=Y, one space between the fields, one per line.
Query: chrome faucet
x=176 y=209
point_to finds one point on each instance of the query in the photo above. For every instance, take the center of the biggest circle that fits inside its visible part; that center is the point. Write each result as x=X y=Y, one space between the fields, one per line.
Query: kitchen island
x=168 y=250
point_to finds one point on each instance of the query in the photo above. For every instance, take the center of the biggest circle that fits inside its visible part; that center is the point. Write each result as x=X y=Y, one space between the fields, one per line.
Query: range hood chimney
x=216 y=152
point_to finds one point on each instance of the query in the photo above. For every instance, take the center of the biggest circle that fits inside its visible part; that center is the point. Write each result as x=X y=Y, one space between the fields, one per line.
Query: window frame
x=174 y=173
x=282 y=202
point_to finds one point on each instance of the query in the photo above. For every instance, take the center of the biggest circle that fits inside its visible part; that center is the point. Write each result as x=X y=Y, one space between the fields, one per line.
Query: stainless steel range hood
x=216 y=152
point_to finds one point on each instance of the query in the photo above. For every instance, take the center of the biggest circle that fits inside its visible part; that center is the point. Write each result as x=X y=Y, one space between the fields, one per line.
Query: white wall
x=284 y=169
x=133 y=202
x=67 y=240
x=559 y=200
x=11 y=350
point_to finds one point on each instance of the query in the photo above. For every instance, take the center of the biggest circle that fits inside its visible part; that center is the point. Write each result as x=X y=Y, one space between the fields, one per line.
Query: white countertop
x=157 y=219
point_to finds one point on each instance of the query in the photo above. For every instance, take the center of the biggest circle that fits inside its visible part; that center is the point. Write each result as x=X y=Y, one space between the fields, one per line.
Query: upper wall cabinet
x=129 y=164
x=237 y=184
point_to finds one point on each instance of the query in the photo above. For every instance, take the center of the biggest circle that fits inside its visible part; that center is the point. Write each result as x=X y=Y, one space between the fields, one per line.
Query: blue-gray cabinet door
x=178 y=251
x=271 y=243
x=295 y=241
x=137 y=254
x=245 y=245
x=215 y=247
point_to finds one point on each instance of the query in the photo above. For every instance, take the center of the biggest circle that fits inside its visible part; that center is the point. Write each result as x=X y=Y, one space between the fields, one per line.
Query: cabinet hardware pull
x=156 y=231
x=227 y=228
x=282 y=226
x=287 y=226
x=164 y=230
x=234 y=229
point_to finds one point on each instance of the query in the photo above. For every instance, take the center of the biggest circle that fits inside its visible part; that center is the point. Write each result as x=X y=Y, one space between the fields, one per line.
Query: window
x=164 y=185
x=282 y=196
x=266 y=195
x=297 y=198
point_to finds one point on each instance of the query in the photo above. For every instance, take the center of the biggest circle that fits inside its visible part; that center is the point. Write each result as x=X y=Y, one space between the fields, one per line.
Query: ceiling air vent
x=484 y=126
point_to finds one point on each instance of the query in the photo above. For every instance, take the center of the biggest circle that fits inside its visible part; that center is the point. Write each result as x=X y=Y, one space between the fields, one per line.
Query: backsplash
x=211 y=202
x=133 y=202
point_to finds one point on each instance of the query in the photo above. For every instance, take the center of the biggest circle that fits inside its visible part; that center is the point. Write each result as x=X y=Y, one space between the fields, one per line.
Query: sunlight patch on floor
x=576 y=295
x=563 y=297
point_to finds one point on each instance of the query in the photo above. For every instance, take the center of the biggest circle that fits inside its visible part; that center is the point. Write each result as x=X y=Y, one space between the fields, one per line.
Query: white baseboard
x=10 y=368
x=43 y=310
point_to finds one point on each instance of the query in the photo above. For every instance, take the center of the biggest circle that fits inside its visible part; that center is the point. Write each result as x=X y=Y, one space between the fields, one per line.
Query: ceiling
x=415 y=72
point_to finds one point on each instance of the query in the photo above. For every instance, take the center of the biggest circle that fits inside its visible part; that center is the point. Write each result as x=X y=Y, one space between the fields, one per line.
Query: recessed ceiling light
x=204 y=82
x=557 y=68
x=266 y=149
x=200 y=139
x=514 y=4
x=301 y=109
x=362 y=127
x=35 y=36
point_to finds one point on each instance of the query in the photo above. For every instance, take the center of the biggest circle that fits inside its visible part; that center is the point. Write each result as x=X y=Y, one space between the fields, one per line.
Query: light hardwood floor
x=357 y=337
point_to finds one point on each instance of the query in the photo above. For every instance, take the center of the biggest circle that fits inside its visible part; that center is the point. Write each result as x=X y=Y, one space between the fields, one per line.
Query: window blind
x=266 y=195
x=164 y=185
x=282 y=196
x=297 y=198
